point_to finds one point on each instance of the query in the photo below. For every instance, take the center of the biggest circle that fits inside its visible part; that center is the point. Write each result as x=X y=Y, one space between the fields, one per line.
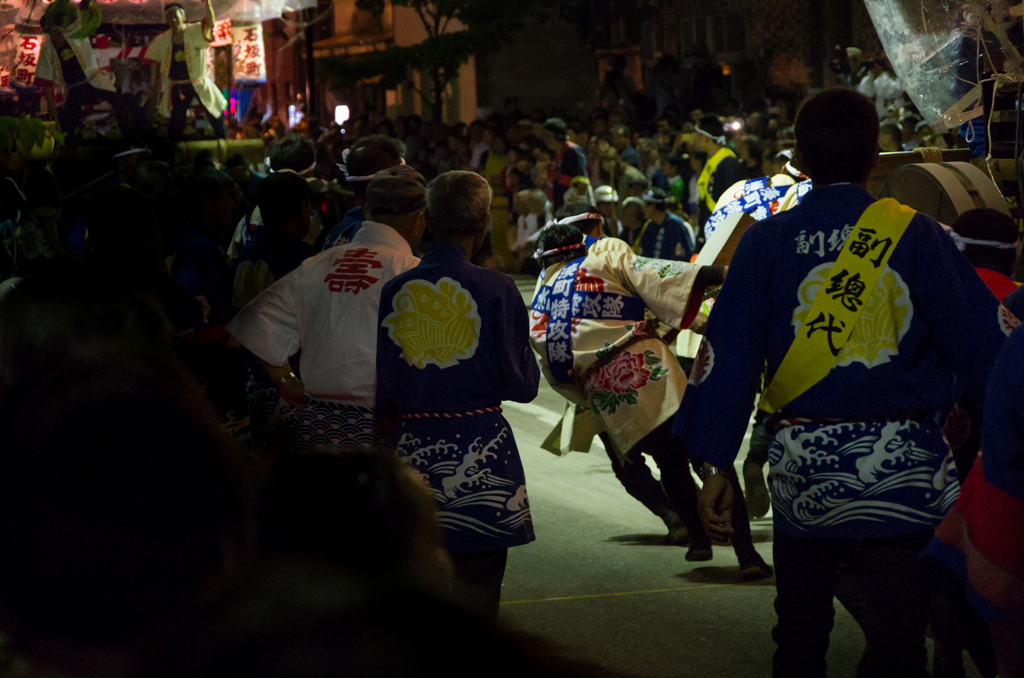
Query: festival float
x=120 y=35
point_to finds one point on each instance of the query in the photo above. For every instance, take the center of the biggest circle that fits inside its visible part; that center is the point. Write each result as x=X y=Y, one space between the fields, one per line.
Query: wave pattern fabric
x=871 y=477
x=475 y=476
x=330 y=426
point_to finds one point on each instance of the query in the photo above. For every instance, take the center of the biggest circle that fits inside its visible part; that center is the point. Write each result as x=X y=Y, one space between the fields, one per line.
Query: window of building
x=720 y=32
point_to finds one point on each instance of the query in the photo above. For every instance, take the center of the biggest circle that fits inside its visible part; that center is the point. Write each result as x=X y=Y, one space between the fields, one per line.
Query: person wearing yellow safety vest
x=722 y=169
x=871 y=323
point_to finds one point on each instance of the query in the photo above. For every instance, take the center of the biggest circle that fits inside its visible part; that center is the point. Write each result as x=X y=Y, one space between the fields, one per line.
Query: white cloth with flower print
x=623 y=370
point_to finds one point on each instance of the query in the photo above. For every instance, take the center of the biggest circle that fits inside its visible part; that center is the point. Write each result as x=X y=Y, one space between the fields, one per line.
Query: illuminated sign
x=250 y=60
x=221 y=33
x=24 y=72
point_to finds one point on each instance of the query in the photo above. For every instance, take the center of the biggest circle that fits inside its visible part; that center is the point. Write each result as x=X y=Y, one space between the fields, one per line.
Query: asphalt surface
x=599 y=584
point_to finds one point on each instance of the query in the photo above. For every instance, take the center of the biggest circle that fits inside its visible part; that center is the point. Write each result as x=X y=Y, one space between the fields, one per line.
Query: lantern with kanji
x=250 y=60
x=221 y=33
x=23 y=70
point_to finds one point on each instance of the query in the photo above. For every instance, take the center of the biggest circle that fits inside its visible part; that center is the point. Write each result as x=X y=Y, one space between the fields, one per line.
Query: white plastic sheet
x=934 y=47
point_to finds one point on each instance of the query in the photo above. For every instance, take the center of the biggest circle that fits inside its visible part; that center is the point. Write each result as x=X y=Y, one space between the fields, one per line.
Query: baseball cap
x=315 y=185
x=605 y=194
x=397 y=190
x=655 y=196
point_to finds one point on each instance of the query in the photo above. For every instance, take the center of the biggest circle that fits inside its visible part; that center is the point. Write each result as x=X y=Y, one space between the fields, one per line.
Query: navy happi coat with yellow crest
x=452 y=345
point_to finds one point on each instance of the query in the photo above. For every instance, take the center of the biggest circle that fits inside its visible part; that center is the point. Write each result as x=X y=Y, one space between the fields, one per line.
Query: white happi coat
x=48 y=70
x=622 y=368
x=328 y=308
x=196 y=44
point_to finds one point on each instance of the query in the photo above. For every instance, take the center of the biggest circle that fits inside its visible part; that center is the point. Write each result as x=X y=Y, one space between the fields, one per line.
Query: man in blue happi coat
x=664 y=235
x=452 y=344
x=883 y=318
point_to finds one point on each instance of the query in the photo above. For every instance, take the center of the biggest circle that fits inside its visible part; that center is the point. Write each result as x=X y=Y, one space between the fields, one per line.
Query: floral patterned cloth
x=623 y=369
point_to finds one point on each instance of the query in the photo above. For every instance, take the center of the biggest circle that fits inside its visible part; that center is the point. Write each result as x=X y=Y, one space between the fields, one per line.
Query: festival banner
x=250 y=60
x=27 y=58
x=221 y=33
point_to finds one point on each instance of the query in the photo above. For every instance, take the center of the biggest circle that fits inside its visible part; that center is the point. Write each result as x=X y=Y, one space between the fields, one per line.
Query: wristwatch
x=708 y=470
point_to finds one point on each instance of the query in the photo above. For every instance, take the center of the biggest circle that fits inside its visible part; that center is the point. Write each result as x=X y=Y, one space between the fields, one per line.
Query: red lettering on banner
x=28 y=42
x=352 y=271
x=250 y=34
x=222 y=31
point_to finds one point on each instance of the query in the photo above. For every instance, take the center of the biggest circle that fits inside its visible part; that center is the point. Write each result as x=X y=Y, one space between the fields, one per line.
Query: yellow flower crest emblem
x=434 y=324
x=883 y=322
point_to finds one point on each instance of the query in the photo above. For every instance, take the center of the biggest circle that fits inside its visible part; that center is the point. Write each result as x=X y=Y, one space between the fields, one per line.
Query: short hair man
x=295 y=153
x=327 y=307
x=860 y=386
x=621 y=143
x=568 y=162
x=198 y=262
x=240 y=169
x=452 y=345
x=890 y=137
x=277 y=247
x=722 y=169
x=274 y=251
x=368 y=156
x=664 y=235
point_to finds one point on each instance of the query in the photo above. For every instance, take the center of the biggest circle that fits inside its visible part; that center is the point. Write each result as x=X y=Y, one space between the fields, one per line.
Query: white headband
x=588 y=216
x=134 y=151
x=962 y=242
x=343 y=166
x=572 y=220
x=272 y=170
x=718 y=140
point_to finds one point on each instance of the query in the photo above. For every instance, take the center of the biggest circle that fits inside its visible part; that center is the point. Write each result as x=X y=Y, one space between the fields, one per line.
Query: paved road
x=599 y=583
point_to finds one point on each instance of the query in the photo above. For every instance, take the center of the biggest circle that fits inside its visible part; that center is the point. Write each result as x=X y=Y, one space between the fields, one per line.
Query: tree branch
x=423 y=17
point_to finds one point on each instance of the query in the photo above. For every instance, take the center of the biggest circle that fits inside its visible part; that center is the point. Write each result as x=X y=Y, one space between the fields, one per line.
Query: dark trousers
x=957 y=627
x=127 y=111
x=884 y=583
x=478 y=577
x=182 y=95
x=636 y=477
x=673 y=461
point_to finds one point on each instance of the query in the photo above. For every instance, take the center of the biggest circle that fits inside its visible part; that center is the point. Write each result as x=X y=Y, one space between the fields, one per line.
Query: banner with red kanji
x=250 y=60
x=23 y=74
x=221 y=33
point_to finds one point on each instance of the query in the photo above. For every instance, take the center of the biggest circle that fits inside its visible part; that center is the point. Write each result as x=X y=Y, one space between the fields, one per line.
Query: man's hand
x=292 y=390
x=699 y=324
x=715 y=507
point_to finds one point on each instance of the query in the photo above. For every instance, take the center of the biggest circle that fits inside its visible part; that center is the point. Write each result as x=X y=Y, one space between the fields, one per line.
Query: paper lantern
x=23 y=72
x=250 y=60
x=221 y=33
x=5 y=76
